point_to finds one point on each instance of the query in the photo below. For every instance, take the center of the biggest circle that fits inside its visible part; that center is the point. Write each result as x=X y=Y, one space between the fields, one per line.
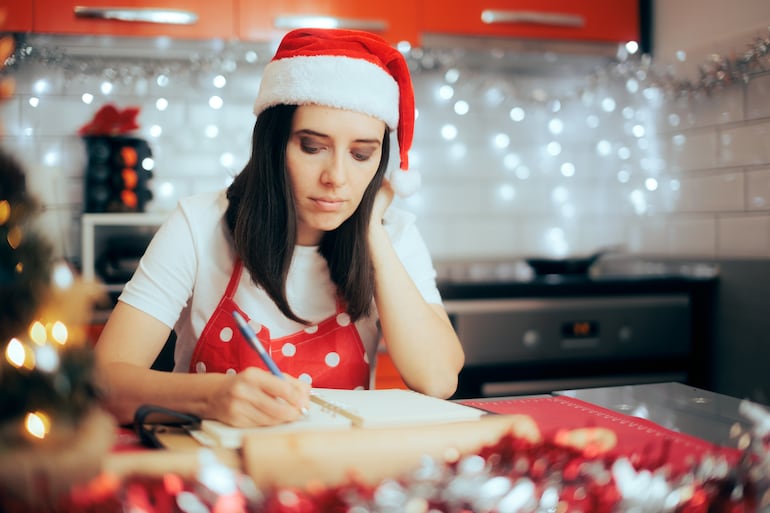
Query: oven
x=553 y=333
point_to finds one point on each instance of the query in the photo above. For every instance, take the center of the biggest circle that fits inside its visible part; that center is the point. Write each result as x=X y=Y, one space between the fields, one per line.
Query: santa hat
x=345 y=69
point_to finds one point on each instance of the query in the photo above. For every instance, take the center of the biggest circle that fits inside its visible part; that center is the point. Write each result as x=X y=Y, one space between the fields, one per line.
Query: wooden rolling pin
x=370 y=454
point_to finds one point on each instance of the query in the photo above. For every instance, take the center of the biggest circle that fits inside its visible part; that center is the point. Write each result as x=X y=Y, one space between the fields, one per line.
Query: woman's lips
x=328 y=204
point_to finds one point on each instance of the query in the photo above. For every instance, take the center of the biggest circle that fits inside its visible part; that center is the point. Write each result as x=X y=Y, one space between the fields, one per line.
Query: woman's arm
x=252 y=397
x=419 y=336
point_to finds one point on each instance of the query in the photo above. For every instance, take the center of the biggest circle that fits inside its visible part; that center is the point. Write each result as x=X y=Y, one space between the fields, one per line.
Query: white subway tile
x=758 y=97
x=743 y=145
x=711 y=192
x=692 y=236
x=758 y=189
x=744 y=236
x=691 y=149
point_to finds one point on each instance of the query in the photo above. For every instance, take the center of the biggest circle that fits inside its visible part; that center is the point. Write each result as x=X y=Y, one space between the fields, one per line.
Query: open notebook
x=344 y=409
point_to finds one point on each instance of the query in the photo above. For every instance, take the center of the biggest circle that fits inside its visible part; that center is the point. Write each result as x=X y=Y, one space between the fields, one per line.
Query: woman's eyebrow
x=308 y=131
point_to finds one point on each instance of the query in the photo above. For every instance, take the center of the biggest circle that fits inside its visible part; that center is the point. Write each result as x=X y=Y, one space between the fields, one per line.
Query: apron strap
x=235 y=278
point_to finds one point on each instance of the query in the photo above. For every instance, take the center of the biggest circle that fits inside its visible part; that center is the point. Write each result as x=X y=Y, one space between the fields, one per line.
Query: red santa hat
x=345 y=69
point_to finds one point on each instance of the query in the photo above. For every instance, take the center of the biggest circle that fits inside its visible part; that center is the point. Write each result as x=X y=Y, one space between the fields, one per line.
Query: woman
x=303 y=245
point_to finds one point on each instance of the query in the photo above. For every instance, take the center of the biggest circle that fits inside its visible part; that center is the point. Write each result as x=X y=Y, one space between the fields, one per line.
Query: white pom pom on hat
x=346 y=69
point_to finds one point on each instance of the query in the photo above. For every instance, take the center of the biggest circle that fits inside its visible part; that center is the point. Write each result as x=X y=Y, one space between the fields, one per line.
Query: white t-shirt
x=185 y=270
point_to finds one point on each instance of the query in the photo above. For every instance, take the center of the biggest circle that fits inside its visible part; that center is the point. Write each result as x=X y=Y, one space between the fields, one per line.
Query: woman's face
x=331 y=157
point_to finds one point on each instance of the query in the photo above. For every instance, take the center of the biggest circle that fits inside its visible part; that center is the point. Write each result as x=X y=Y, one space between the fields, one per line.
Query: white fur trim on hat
x=334 y=81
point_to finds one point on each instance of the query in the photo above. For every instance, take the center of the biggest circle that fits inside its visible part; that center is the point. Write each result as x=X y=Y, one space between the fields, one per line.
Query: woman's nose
x=334 y=171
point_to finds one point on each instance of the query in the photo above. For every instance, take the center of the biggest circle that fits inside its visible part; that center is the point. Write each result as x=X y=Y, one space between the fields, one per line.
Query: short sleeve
x=163 y=281
x=413 y=252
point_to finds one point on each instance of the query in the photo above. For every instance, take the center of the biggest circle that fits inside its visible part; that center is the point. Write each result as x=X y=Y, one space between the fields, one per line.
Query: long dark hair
x=263 y=221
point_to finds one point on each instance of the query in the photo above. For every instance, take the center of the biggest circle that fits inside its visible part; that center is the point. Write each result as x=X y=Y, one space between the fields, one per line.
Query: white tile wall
x=656 y=175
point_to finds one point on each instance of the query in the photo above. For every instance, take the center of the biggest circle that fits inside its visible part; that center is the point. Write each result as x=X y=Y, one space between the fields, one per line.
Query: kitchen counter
x=675 y=406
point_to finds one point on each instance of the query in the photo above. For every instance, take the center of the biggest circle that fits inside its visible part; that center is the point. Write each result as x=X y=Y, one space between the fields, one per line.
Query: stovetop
x=606 y=269
x=514 y=278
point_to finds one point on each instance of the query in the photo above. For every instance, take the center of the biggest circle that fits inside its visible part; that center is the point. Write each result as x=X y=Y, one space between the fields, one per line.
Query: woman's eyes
x=313 y=148
x=361 y=156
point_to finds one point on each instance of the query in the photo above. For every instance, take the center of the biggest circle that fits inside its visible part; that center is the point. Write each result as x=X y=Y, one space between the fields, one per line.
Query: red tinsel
x=584 y=483
x=109 y=120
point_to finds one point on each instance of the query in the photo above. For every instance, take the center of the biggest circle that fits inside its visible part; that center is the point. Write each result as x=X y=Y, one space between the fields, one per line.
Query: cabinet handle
x=492 y=16
x=299 y=21
x=138 y=14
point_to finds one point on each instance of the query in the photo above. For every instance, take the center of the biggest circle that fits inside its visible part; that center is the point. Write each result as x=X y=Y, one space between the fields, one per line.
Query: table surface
x=675 y=406
x=686 y=409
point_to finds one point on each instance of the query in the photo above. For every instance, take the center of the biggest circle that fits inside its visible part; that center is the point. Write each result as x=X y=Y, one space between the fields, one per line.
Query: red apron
x=329 y=354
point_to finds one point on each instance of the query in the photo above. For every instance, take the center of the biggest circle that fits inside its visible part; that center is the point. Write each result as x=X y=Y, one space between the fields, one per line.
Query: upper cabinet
x=191 y=19
x=15 y=17
x=587 y=20
x=268 y=20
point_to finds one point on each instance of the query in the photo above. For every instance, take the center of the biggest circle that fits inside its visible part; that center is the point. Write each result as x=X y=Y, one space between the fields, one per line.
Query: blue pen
x=252 y=339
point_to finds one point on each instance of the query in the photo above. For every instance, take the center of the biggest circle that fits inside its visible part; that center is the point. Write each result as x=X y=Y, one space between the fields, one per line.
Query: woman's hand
x=382 y=201
x=254 y=397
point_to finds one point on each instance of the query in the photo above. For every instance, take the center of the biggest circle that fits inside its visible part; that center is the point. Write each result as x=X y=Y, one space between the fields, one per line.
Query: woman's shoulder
x=205 y=203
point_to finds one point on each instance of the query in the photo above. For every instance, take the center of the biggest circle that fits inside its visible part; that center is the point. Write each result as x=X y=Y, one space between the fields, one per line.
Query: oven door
x=524 y=346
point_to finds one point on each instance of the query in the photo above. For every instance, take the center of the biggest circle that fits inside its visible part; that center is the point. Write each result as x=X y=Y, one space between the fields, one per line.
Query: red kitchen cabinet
x=15 y=17
x=585 y=20
x=186 y=19
x=268 y=20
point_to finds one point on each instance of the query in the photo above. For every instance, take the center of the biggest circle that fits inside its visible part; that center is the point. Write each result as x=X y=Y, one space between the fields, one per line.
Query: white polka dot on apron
x=231 y=371
x=332 y=359
x=226 y=334
x=359 y=387
x=257 y=327
x=343 y=319
x=200 y=367
x=366 y=357
x=311 y=329
x=288 y=349
x=306 y=378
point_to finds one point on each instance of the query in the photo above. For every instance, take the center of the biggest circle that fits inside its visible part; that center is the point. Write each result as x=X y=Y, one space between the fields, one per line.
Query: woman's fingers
x=256 y=397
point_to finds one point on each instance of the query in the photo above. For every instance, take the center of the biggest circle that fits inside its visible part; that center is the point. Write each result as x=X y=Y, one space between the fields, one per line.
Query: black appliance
x=525 y=333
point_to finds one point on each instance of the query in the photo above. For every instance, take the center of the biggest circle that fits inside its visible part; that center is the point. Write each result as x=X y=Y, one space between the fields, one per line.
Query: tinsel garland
x=719 y=71
x=510 y=476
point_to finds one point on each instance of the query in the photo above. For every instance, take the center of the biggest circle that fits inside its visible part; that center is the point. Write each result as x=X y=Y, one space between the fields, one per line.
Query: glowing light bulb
x=556 y=126
x=517 y=114
x=59 y=332
x=507 y=192
x=62 y=276
x=37 y=424
x=452 y=75
x=227 y=159
x=501 y=141
x=461 y=108
x=37 y=333
x=448 y=132
x=211 y=131
x=15 y=353
x=445 y=92
x=5 y=211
